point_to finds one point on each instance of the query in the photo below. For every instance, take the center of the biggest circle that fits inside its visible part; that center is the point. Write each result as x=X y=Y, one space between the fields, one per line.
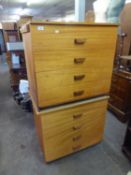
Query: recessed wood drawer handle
x=76 y=128
x=76 y=138
x=78 y=93
x=79 y=60
x=76 y=148
x=78 y=77
x=79 y=40
x=77 y=116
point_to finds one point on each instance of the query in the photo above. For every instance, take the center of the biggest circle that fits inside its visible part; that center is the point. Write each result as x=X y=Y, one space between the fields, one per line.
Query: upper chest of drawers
x=69 y=62
x=60 y=46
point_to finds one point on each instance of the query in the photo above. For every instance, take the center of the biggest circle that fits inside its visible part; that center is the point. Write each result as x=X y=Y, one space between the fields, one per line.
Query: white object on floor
x=24 y=86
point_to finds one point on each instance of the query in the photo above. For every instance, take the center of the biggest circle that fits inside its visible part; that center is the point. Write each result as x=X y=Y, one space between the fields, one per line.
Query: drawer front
x=119 y=82
x=118 y=91
x=50 y=53
x=57 y=79
x=117 y=102
x=64 y=119
x=55 y=87
x=70 y=130
x=76 y=59
x=63 y=37
x=59 y=95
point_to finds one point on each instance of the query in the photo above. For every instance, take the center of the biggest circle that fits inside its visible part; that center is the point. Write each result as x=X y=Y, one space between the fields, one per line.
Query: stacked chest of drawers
x=69 y=69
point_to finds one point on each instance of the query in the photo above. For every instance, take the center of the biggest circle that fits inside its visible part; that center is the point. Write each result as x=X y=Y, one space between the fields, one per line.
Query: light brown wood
x=38 y=125
x=30 y=65
x=62 y=94
x=68 y=65
x=53 y=79
x=68 y=130
x=33 y=22
x=55 y=60
x=63 y=38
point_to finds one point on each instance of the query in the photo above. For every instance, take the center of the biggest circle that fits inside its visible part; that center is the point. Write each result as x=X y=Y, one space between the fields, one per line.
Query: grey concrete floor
x=20 y=153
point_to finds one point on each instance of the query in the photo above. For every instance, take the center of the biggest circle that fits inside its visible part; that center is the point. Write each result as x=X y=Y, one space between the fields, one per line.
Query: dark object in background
x=2 y=43
x=23 y=100
x=125 y=24
x=126 y=148
x=120 y=98
x=17 y=71
x=26 y=103
x=120 y=95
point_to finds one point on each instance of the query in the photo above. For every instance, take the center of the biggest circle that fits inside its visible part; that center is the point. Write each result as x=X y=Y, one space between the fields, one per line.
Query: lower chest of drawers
x=63 y=131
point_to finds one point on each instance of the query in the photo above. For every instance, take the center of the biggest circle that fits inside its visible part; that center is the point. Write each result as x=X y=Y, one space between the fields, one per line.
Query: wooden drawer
x=64 y=94
x=78 y=59
x=68 y=38
x=72 y=128
x=118 y=91
x=122 y=104
x=117 y=102
x=57 y=79
x=66 y=120
x=50 y=53
x=72 y=59
x=55 y=87
x=74 y=136
x=119 y=82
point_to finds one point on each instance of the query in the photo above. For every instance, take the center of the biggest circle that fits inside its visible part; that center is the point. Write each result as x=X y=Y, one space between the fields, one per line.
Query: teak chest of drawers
x=68 y=63
x=70 y=128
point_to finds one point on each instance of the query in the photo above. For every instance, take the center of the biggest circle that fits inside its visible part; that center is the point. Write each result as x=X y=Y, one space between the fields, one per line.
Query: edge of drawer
x=67 y=106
